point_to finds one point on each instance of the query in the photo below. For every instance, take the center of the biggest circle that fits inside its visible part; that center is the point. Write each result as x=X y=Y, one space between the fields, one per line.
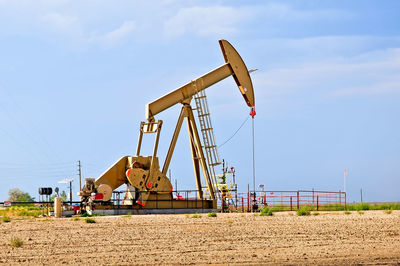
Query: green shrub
x=347 y=212
x=266 y=211
x=16 y=242
x=28 y=213
x=90 y=220
x=363 y=207
x=366 y=206
x=360 y=212
x=212 y=214
x=21 y=208
x=85 y=214
x=388 y=211
x=196 y=215
x=315 y=213
x=303 y=211
x=75 y=218
x=5 y=219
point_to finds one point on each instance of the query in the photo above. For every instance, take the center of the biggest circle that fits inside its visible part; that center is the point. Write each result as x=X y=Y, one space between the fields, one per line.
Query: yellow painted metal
x=115 y=175
x=196 y=149
x=144 y=172
x=137 y=178
x=234 y=66
x=106 y=190
x=187 y=91
x=241 y=74
x=173 y=141
x=199 y=150
x=209 y=144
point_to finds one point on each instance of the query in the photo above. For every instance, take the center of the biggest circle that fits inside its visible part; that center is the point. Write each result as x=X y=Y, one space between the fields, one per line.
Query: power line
x=247 y=118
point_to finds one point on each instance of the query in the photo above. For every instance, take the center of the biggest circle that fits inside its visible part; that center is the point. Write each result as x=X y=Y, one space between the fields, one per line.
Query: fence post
x=242 y=205
x=317 y=202
x=291 y=206
x=298 y=202
x=345 y=201
x=222 y=201
x=248 y=201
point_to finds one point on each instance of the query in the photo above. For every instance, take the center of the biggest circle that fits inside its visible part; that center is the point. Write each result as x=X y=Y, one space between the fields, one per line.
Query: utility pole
x=361 y=194
x=80 y=175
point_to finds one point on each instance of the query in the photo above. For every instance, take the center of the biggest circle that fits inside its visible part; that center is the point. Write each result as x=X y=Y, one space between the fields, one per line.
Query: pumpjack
x=149 y=185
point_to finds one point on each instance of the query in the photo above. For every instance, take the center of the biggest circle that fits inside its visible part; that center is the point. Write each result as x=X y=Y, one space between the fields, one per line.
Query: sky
x=75 y=78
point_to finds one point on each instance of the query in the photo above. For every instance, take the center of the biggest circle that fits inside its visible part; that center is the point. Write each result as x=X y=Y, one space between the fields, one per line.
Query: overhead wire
x=226 y=141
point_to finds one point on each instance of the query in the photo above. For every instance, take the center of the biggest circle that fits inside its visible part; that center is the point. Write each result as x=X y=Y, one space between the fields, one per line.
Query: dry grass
x=16 y=242
x=280 y=239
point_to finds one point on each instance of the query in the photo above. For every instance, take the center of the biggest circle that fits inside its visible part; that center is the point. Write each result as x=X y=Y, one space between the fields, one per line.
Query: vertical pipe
x=242 y=205
x=70 y=194
x=298 y=203
x=248 y=198
x=158 y=125
x=254 y=163
x=317 y=202
x=140 y=139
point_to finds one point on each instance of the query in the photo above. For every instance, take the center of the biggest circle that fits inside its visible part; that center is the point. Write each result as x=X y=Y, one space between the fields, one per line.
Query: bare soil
x=329 y=238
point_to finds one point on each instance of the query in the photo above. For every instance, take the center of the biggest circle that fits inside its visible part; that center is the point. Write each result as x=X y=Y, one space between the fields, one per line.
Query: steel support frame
x=196 y=150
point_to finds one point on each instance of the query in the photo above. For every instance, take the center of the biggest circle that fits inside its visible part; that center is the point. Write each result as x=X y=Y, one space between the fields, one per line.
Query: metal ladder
x=208 y=137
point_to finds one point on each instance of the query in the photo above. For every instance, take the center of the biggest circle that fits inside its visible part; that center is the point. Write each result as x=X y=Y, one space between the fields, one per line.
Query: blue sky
x=75 y=78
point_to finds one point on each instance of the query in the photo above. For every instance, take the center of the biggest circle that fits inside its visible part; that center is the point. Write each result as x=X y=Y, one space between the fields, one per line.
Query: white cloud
x=203 y=21
x=119 y=34
x=371 y=73
x=279 y=11
x=62 y=24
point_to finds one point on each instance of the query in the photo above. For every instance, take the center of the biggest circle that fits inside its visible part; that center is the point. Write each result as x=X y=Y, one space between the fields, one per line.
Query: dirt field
x=333 y=238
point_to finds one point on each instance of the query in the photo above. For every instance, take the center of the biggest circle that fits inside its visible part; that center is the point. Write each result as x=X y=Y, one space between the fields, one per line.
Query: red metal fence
x=285 y=200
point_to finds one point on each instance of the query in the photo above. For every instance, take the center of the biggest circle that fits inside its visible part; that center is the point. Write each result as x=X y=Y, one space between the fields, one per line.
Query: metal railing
x=245 y=202
x=286 y=200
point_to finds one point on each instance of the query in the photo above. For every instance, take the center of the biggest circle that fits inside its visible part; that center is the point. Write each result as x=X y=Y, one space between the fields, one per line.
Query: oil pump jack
x=152 y=188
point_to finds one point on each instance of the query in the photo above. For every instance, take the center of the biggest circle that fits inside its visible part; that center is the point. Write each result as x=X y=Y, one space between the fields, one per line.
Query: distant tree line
x=17 y=195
